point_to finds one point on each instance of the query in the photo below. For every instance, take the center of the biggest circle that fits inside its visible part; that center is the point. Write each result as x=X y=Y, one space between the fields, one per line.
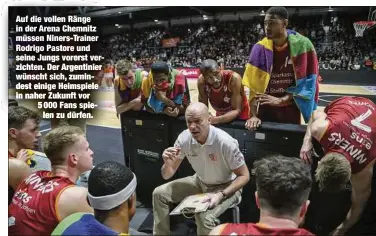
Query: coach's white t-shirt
x=213 y=161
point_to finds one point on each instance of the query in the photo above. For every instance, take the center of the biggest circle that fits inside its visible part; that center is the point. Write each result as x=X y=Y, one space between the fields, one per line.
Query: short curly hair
x=278 y=11
x=108 y=178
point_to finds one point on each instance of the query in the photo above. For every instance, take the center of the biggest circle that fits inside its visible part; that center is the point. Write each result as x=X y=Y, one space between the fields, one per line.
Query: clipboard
x=191 y=205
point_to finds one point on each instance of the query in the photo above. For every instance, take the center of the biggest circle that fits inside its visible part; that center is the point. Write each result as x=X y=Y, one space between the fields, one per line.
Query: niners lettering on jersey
x=33 y=207
x=351 y=131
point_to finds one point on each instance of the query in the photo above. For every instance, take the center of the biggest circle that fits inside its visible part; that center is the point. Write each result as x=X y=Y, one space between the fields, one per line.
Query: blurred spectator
x=229 y=43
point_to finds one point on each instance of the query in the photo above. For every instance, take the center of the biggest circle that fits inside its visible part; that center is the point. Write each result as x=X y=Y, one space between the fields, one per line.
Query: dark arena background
x=184 y=37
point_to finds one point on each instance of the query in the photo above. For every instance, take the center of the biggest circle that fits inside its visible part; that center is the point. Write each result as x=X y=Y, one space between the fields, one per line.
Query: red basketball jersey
x=33 y=207
x=220 y=98
x=258 y=229
x=281 y=78
x=351 y=130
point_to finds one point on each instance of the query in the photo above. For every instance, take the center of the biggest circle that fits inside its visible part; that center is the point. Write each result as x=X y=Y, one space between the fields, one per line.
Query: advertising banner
x=190 y=73
x=171 y=42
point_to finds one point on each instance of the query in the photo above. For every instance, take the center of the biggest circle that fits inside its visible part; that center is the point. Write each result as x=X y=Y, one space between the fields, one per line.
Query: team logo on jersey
x=212 y=157
x=226 y=99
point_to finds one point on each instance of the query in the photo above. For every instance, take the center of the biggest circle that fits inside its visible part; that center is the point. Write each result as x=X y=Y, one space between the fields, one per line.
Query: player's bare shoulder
x=116 y=81
x=200 y=80
x=144 y=74
x=236 y=76
x=235 y=82
x=72 y=199
x=73 y=192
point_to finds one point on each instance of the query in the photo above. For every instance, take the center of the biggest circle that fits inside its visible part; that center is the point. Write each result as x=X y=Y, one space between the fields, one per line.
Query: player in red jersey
x=225 y=92
x=44 y=198
x=23 y=136
x=283 y=185
x=282 y=84
x=346 y=130
x=165 y=90
x=23 y=132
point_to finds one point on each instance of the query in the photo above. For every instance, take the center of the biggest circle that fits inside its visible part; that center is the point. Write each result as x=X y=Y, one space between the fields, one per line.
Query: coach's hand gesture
x=170 y=155
x=171 y=162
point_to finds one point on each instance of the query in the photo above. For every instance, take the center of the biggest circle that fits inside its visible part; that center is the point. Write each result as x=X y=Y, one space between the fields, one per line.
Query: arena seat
x=146 y=135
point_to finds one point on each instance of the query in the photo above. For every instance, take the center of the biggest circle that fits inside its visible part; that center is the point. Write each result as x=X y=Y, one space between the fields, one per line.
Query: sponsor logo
x=239 y=156
x=212 y=157
x=362 y=104
x=147 y=153
x=364 y=141
x=190 y=73
x=23 y=196
x=275 y=90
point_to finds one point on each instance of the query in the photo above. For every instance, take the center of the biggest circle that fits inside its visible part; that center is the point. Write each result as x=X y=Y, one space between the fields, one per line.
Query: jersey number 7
x=357 y=121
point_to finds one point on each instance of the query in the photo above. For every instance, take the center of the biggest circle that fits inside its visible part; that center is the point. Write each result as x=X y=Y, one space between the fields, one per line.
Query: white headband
x=109 y=202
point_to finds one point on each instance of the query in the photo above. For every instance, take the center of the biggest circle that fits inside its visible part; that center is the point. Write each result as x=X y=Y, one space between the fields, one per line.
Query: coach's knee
x=160 y=193
x=207 y=219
